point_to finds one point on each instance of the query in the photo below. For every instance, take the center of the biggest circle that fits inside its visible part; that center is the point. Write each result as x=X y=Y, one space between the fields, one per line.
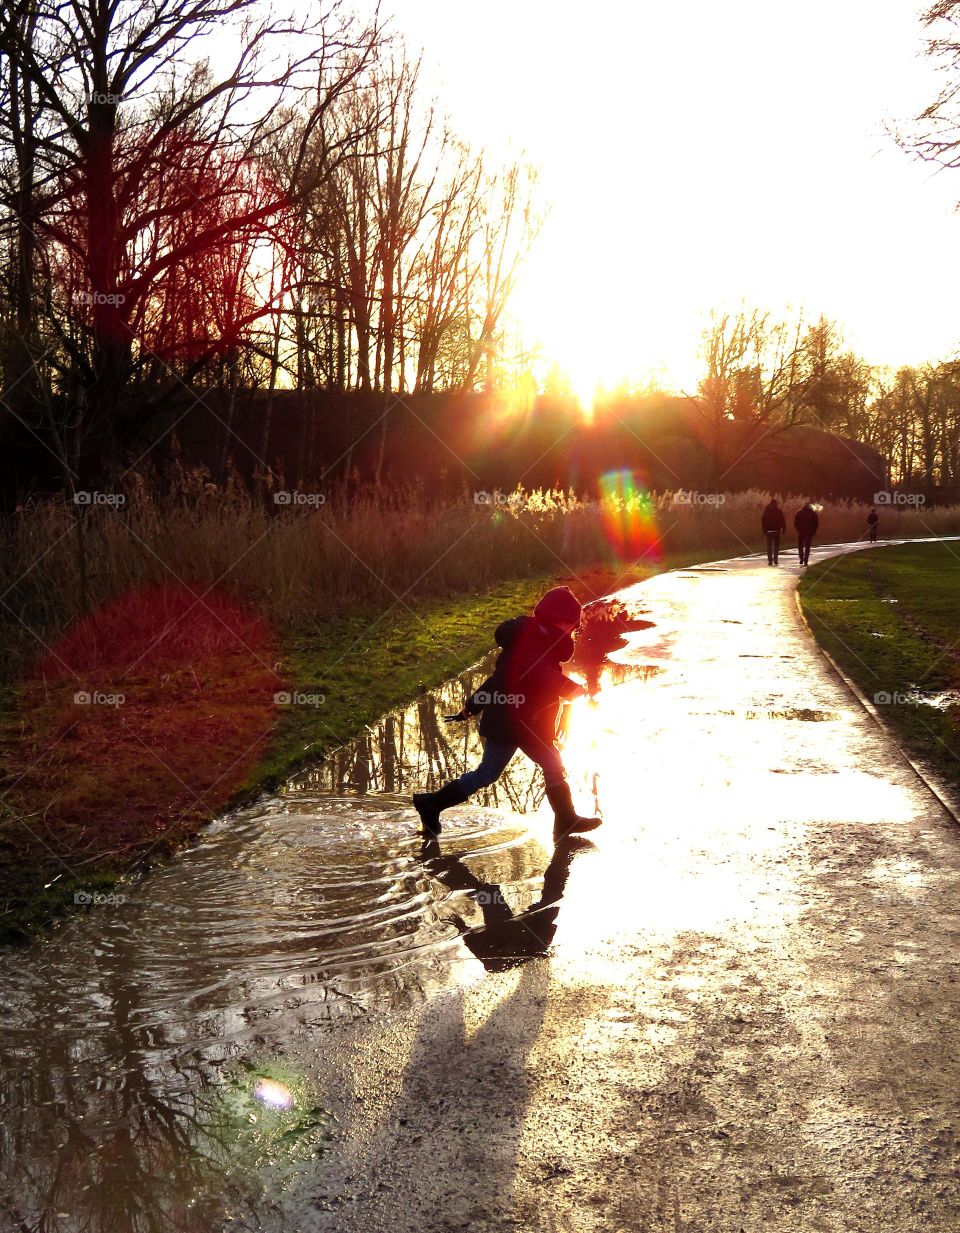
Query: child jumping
x=519 y=705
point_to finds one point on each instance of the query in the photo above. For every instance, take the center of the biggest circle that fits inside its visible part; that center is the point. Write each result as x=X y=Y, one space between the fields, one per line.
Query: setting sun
x=697 y=156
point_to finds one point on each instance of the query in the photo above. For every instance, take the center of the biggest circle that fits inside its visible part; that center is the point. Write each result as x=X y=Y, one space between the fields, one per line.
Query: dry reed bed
x=294 y=563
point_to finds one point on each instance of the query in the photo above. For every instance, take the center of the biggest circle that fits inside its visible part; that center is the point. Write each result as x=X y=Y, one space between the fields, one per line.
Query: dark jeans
x=773 y=547
x=497 y=755
x=804 y=545
x=873 y=535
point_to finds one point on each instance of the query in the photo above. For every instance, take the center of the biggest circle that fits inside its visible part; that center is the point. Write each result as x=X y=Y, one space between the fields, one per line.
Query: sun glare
x=653 y=223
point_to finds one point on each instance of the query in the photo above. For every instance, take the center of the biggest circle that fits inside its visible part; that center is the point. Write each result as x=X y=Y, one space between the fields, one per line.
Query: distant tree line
x=761 y=376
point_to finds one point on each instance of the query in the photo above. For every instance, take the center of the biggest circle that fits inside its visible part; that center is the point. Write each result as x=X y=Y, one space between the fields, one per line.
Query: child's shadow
x=447 y=1148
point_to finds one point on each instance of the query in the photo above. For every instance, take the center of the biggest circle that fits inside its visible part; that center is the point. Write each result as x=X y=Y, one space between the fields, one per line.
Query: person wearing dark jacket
x=873 y=518
x=806 y=523
x=774 y=524
x=519 y=706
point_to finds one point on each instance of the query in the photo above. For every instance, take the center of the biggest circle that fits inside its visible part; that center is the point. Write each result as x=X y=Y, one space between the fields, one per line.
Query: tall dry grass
x=374 y=550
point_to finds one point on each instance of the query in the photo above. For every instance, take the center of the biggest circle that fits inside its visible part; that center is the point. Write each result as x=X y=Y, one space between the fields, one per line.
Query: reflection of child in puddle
x=506 y=937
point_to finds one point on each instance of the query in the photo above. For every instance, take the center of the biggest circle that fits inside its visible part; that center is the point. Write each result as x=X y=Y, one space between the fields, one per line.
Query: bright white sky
x=701 y=153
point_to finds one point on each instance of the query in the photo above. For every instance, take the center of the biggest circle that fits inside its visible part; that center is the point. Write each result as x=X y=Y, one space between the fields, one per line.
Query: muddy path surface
x=735 y=1009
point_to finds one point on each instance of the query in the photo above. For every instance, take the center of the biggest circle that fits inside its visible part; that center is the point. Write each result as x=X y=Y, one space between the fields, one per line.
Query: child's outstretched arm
x=572 y=689
x=473 y=705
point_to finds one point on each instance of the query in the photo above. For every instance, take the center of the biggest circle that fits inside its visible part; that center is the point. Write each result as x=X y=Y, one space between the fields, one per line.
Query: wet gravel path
x=749 y=1020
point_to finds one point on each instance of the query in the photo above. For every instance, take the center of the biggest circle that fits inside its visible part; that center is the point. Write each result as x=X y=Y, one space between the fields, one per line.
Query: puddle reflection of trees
x=140 y=1146
x=131 y=1130
x=416 y=748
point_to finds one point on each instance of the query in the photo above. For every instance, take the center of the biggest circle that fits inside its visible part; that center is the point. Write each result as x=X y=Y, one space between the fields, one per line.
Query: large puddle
x=157 y=1052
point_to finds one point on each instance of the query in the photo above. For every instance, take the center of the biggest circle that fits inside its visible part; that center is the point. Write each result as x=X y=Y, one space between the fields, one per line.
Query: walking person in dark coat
x=873 y=518
x=774 y=524
x=806 y=523
x=519 y=706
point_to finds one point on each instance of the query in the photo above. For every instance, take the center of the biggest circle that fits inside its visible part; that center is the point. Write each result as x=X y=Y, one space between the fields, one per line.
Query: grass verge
x=889 y=618
x=95 y=794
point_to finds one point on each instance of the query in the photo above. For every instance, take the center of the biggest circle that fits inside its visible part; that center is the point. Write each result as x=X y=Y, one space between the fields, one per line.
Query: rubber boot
x=566 y=820
x=429 y=804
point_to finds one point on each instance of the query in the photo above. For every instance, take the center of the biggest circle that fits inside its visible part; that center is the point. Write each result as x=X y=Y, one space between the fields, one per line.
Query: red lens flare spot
x=143 y=720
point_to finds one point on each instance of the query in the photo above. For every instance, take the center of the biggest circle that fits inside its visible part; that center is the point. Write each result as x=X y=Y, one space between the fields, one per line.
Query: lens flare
x=273 y=1093
x=507 y=411
x=629 y=516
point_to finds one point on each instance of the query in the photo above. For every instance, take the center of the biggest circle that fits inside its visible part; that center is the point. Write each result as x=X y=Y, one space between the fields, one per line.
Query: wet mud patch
x=693 y=1125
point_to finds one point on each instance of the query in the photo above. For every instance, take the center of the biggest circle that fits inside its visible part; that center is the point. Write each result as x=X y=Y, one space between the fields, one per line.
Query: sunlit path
x=743 y=1016
x=749 y=1018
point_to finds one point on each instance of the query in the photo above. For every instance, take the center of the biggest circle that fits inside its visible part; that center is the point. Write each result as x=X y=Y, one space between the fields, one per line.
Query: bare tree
x=443 y=266
x=753 y=386
x=935 y=134
x=146 y=133
x=509 y=225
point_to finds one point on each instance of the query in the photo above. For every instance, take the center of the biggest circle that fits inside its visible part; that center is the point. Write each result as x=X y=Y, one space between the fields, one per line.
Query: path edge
x=944 y=796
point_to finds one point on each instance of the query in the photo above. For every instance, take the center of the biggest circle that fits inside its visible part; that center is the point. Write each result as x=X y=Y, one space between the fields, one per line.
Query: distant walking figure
x=806 y=522
x=873 y=519
x=519 y=706
x=774 y=524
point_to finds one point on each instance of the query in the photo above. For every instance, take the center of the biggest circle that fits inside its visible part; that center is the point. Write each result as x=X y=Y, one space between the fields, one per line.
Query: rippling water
x=156 y=1052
